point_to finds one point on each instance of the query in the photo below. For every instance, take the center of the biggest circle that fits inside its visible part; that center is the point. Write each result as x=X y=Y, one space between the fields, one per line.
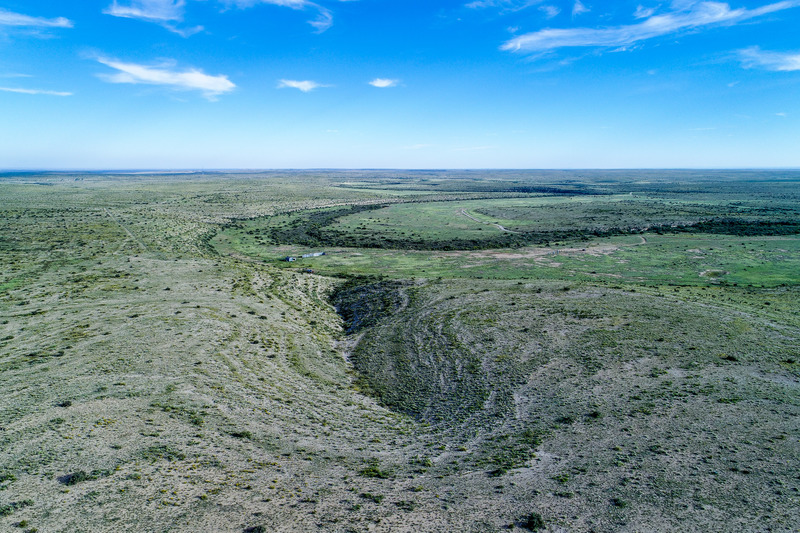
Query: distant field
x=443 y=223
x=437 y=221
x=680 y=259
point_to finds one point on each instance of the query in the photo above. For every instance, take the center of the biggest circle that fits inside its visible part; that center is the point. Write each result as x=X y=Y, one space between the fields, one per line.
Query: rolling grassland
x=582 y=352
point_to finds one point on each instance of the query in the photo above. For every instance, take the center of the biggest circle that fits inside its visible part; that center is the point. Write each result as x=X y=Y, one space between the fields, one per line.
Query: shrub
x=373 y=470
x=533 y=522
x=377 y=498
x=75 y=478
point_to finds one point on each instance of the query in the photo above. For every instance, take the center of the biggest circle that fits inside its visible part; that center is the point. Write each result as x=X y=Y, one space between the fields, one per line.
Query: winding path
x=126 y=230
x=498 y=226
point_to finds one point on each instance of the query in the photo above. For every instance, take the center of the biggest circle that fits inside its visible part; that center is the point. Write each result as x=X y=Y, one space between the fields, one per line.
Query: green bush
x=533 y=522
x=373 y=470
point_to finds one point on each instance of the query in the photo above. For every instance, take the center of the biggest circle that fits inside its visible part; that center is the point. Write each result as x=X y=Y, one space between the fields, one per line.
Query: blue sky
x=209 y=84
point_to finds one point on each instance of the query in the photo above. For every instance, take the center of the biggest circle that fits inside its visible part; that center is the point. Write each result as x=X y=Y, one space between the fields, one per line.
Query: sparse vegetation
x=9 y=508
x=626 y=360
x=163 y=451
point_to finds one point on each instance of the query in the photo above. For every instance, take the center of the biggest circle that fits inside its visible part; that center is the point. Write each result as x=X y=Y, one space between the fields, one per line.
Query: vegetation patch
x=363 y=301
x=374 y=470
x=9 y=508
x=533 y=522
x=80 y=476
x=163 y=451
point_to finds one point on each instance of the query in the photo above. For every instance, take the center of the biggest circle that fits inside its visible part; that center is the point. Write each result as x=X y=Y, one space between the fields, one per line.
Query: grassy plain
x=163 y=370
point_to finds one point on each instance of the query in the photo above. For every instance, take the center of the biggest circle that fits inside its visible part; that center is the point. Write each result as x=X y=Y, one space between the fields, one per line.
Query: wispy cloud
x=578 y=8
x=550 y=11
x=696 y=15
x=382 y=83
x=34 y=91
x=150 y=10
x=643 y=12
x=754 y=57
x=322 y=22
x=168 y=13
x=165 y=13
x=165 y=75
x=9 y=18
x=504 y=5
x=305 y=85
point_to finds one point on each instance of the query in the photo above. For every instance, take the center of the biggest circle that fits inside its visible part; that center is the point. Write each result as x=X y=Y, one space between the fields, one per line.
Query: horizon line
x=374 y=169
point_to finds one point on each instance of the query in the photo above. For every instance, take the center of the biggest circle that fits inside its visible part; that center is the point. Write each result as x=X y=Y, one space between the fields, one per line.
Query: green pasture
x=672 y=259
x=697 y=259
x=440 y=221
x=686 y=259
x=481 y=219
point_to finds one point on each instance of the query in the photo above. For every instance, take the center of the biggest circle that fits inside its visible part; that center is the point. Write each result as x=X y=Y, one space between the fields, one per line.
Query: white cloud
x=9 y=18
x=305 y=85
x=382 y=83
x=550 y=11
x=682 y=5
x=322 y=22
x=505 y=5
x=192 y=79
x=481 y=4
x=754 y=57
x=162 y=12
x=698 y=15
x=184 y=32
x=150 y=10
x=643 y=12
x=578 y=8
x=167 y=12
x=781 y=114
x=34 y=91
x=294 y=4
